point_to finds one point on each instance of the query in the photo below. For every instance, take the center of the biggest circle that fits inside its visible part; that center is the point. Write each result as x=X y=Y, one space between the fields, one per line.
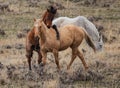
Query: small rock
x=1 y=66
x=2 y=32
x=21 y=35
x=99 y=27
x=26 y=30
x=19 y=46
x=8 y=47
x=105 y=39
x=94 y=18
x=2 y=82
x=1 y=51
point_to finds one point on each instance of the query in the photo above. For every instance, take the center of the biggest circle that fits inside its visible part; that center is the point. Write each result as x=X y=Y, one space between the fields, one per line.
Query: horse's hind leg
x=80 y=55
x=74 y=54
x=55 y=52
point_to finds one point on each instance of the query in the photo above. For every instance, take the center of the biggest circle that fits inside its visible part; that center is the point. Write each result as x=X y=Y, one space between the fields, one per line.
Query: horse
x=49 y=15
x=81 y=21
x=32 y=41
x=48 y=18
x=70 y=36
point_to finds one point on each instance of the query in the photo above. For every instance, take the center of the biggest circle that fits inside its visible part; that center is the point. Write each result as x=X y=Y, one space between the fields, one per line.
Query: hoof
x=86 y=68
x=30 y=69
x=41 y=64
x=68 y=67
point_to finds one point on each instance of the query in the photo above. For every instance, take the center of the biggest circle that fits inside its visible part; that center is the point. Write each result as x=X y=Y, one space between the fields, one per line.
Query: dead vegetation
x=20 y=75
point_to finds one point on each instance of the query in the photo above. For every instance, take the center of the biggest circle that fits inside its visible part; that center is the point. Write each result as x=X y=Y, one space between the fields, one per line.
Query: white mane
x=82 y=22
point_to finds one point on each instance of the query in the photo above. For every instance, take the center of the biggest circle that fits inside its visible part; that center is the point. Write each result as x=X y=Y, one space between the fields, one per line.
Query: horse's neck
x=32 y=33
x=93 y=29
x=44 y=15
x=48 y=40
x=43 y=35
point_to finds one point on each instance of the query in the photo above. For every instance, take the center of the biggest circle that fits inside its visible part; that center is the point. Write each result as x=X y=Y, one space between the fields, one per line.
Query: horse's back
x=71 y=31
x=71 y=35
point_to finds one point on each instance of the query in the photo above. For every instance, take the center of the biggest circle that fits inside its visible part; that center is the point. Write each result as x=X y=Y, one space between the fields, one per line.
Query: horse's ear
x=34 y=19
x=48 y=9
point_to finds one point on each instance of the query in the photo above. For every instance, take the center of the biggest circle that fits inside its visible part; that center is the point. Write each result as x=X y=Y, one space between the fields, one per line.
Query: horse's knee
x=81 y=55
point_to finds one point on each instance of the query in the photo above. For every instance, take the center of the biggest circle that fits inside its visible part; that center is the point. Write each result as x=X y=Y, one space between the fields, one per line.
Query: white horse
x=82 y=22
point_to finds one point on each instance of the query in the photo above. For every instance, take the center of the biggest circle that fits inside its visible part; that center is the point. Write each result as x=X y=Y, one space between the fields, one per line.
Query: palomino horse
x=32 y=41
x=70 y=36
x=81 y=21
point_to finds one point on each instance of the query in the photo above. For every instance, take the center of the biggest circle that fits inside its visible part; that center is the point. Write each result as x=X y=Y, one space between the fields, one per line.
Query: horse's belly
x=64 y=44
x=52 y=45
x=63 y=47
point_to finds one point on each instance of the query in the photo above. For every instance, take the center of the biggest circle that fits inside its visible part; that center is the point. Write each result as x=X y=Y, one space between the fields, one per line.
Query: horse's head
x=52 y=9
x=37 y=24
x=49 y=15
x=99 y=43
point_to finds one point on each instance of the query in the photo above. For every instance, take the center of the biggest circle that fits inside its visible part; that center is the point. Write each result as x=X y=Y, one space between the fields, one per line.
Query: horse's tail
x=89 y=41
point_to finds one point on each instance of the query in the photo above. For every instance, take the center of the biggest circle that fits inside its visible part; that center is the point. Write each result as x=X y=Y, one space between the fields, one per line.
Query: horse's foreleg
x=29 y=62
x=55 y=52
x=74 y=54
x=39 y=57
x=29 y=55
x=44 y=56
x=80 y=55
